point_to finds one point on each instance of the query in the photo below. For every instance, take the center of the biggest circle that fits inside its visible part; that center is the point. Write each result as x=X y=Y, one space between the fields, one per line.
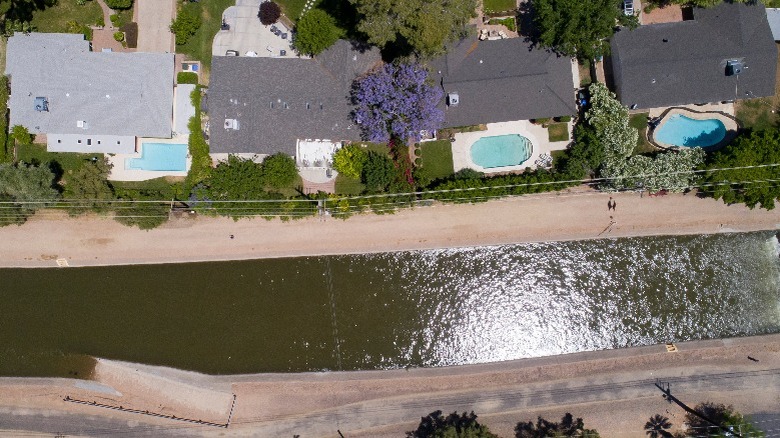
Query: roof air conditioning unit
x=41 y=104
x=453 y=99
x=231 y=124
x=733 y=68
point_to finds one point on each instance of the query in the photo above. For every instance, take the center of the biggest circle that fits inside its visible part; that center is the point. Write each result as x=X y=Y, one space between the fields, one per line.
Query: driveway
x=154 y=19
x=247 y=35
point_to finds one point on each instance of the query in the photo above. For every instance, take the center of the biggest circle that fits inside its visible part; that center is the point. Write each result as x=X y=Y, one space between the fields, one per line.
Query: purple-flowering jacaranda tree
x=395 y=101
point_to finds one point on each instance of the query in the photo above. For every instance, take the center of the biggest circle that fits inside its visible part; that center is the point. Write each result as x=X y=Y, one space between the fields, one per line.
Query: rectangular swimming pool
x=160 y=157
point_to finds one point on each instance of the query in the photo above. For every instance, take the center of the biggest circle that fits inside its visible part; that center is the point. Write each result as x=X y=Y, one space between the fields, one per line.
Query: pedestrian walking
x=609 y=204
x=614 y=204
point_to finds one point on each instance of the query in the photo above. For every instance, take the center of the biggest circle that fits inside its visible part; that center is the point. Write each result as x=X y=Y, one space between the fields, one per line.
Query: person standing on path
x=609 y=204
x=614 y=204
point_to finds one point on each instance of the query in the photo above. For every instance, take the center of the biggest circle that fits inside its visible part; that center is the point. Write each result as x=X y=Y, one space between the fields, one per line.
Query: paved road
x=357 y=418
x=531 y=398
x=154 y=18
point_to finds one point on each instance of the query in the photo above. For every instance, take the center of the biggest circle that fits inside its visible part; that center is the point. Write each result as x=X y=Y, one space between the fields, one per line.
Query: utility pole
x=667 y=395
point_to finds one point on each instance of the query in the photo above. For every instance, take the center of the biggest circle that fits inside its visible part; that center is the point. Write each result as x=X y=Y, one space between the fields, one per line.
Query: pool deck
x=722 y=112
x=119 y=173
x=461 y=147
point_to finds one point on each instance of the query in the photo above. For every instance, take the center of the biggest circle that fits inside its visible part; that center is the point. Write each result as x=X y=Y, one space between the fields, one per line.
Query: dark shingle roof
x=682 y=63
x=504 y=80
x=279 y=100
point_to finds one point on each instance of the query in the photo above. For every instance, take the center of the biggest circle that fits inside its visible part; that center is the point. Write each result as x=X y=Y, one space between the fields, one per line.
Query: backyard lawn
x=756 y=114
x=37 y=154
x=558 y=132
x=493 y=6
x=56 y=18
x=639 y=121
x=348 y=186
x=436 y=159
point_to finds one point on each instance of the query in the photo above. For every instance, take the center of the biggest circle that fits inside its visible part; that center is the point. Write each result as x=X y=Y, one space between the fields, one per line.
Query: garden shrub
x=100 y=22
x=119 y=36
x=541 y=121
x=187 y=22
x=187 y=77
x=481 y=189
x=279 y=170
x=114 y=19
x=131 y=34
x=199 y=149
x=119 y=4
x=563 y=118
x=315 y=32
x=349 y=160
x=6 y=155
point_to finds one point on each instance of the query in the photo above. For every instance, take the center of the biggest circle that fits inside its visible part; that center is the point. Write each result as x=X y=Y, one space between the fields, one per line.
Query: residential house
x=504 y=80
x=84 y=101
x=724 y=53
x=266 y=105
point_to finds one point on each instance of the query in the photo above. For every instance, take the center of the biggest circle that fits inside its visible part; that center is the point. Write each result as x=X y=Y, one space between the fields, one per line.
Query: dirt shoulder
x=92 y=241
x=613 y=389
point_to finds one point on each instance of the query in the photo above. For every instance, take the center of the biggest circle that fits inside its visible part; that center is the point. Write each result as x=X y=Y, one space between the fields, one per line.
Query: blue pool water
x=160 y=157
x=501 y=150
x=679 y=130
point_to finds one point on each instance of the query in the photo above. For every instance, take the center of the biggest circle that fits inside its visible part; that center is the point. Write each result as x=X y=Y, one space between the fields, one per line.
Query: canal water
x=420 y=308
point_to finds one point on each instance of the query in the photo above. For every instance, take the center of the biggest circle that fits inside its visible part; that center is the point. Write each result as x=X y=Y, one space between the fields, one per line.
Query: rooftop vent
x=734 y=67
x=231 y=124
x=81 y=124
x=41 y=104
x=453 y=99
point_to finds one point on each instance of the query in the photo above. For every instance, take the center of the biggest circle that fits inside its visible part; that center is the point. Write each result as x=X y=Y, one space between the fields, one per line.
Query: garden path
x=104 y=38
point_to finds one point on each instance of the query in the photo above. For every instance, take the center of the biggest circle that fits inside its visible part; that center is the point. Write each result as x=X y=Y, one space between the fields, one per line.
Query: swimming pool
x=160 y=157
x=501 y=151
x=679 y=130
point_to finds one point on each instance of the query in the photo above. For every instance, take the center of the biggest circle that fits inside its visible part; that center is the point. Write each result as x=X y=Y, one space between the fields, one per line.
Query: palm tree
x=657 y=425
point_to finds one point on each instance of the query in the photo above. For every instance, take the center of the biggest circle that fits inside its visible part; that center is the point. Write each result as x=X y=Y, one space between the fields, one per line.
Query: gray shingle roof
x=504 y=80
x=123 y=94
x=279 y=100
x=682 y=63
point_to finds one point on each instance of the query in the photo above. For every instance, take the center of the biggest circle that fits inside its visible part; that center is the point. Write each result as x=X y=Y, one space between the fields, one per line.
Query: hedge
x=199 y=149
x=6 y=156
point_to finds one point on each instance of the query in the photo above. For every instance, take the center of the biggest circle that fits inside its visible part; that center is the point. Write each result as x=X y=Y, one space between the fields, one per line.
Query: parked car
x=231 y=53
x=628 y=7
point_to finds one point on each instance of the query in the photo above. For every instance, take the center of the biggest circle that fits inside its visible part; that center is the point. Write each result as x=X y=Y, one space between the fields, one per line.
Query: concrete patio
x=461 y=147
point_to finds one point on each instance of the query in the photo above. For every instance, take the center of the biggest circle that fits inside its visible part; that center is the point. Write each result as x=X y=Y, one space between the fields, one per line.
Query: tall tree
x=724 y=416
x=315 y=32
x=454 y=425
x=658 y=427
x=88 y=187
x=567 y=427
x=579 y=28
x=753 y=184
x=397 y=101
x=31 y=186
x=423 y=26
x=613 y=134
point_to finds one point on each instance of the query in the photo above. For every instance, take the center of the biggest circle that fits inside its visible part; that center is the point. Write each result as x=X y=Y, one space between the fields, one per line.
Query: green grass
x=509 y=22
x=585 y=77
x=639 y=121
x=55 y=18
x=436 y=159
x=292 y=8
x=756 y=114
x=558 y=132
x=348 y=186
x=66 y=161
x=199 y=45
x=492 y=6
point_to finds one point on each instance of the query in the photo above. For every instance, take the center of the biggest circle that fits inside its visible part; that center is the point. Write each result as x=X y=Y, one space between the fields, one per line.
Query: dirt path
x=50 y=236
